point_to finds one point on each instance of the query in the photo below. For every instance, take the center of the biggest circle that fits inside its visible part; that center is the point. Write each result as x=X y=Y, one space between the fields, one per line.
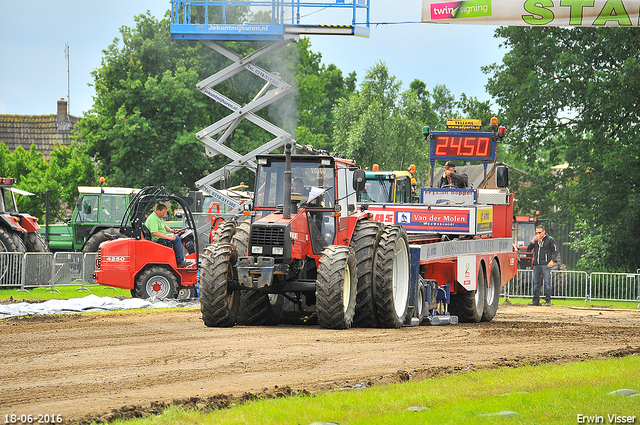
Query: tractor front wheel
x=157 y=282
x=336 y=287
x=97 y=238
x=218 y=305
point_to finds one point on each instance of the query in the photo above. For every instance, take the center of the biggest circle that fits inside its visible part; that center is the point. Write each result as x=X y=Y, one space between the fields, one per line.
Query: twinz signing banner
x=552 y=13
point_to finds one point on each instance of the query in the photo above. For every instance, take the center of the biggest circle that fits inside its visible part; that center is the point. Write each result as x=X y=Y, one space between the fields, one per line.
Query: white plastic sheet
x=86 y=304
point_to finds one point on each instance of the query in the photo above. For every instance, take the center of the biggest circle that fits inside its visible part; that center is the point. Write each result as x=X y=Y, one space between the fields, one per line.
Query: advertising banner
x=552 y=13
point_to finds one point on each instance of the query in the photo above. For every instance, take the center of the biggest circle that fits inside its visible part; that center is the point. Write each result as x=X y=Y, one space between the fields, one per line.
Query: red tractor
x=144 y=267
x=18 y=231
x=310 y=246
x=524 y=229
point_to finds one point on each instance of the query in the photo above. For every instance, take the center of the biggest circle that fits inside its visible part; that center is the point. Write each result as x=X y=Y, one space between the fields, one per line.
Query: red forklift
x=145 y=267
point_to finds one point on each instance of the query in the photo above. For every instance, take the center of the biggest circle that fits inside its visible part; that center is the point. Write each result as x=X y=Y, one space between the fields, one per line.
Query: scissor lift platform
x=212 y=22
x=194 y=19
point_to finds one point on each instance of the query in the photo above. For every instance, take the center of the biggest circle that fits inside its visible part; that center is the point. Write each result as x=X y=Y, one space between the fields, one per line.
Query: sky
x=34 y=73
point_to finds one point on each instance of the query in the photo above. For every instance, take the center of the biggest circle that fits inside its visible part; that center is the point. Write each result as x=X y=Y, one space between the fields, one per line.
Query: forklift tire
x=8 y=242
x=157 y=282
x=364 y=242
x=469 y=306
x=224 y=232
x=492 y=294
x=97 y=238
x=336 y=287
x=219 y=307
x=392 y=277
x=34 y=242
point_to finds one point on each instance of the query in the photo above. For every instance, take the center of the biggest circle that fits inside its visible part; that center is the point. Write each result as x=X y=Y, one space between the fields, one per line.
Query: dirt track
x=84 y=366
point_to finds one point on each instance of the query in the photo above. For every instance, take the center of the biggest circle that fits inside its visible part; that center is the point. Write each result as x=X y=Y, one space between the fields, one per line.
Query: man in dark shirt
x=451 y=179
x=544 y=253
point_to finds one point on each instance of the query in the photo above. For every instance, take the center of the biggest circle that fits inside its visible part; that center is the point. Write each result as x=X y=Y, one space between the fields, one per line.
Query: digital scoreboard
x=463 y=145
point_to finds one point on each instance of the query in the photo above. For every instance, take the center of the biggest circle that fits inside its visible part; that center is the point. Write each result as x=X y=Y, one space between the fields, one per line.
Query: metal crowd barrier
x=41 y=269
x=579 y=285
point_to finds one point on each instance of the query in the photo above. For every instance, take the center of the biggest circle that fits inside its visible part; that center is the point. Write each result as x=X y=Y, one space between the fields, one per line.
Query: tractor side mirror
x=359 y=180
x=79 y=204
x=502 y=176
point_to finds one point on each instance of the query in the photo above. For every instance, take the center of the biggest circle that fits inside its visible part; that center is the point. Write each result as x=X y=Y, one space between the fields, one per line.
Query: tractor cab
x=310 y=212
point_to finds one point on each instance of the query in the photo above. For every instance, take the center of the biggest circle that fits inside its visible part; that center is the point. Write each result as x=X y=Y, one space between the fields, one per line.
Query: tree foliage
x=141 y=129
x=67 y=168
x=571 y=95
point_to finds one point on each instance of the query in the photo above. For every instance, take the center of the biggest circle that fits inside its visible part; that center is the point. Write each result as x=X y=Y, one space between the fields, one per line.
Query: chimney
x=62 y=111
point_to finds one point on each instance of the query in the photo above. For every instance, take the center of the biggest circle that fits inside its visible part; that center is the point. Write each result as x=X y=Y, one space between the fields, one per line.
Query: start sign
x=552 y=13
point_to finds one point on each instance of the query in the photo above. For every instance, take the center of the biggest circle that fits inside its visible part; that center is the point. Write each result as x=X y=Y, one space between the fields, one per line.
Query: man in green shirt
x=164 y=234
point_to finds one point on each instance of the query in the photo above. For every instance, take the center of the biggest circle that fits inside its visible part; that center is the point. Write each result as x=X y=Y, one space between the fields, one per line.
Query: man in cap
x=451 y=179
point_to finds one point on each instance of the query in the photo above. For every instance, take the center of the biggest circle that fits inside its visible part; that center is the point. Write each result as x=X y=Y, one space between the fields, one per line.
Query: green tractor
x=98 y=211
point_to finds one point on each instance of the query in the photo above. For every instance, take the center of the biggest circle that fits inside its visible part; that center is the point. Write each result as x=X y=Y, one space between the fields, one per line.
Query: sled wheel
x=492 y=292
x=392 y=277
x=218 y=305
x=469 y=306
x=336 y=287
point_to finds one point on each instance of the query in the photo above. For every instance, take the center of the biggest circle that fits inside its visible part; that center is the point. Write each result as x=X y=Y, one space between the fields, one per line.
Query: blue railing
x=220 y=19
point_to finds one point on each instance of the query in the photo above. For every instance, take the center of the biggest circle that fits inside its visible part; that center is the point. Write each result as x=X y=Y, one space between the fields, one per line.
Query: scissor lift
x=190 y=20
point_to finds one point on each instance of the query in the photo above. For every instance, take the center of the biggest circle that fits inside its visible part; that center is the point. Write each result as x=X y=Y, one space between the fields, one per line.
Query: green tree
x=380 y=124
x=571 y=95
x=67 y=168
x=141 y=129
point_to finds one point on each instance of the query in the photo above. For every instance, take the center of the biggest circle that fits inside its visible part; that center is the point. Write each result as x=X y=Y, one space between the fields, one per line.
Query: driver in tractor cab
x=298 y=187
x=451 y=179
x=163 y=234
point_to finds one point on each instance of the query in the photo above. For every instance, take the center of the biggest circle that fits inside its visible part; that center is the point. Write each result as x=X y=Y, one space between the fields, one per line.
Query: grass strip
x=549 y=394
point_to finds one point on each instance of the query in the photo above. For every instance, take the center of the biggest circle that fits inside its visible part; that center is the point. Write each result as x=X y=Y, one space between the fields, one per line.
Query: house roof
x=42 y=130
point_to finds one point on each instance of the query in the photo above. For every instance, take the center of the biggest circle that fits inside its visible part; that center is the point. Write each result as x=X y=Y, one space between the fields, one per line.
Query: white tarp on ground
x=535 y=13
x=88 y=303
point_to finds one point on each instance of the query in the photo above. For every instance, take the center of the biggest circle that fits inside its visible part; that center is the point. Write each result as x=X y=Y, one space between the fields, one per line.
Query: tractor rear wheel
x=19 y=243
x=364 y=242
x=241 y=237
x=8 y=242
x=218 y=305
x=224 y=232
x=492 y=293
x=336 y=287
x=34 y=242
x=157 y=282
x=392 y=277
x=469 y=306
x=97 y=238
